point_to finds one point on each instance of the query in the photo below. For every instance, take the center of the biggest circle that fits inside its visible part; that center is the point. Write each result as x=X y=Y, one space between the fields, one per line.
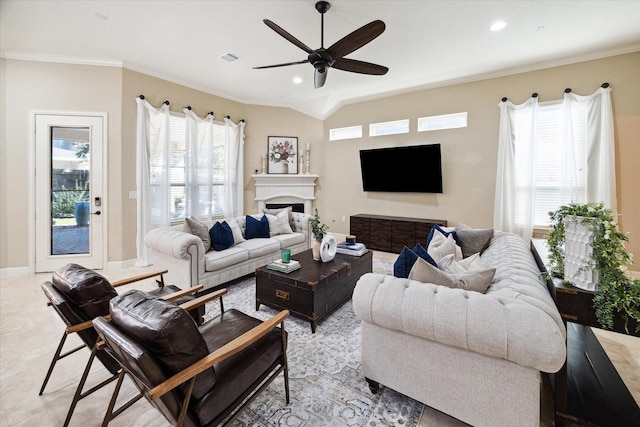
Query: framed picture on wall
x=282 y=154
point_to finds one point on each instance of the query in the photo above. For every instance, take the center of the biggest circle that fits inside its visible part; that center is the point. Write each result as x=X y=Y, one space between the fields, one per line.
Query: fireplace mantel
x=292 y=188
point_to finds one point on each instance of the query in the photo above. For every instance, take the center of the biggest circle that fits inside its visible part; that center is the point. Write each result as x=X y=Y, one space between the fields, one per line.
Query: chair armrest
x=197 y=302
x=179 y=294
x=138 y=278
x=224 y=352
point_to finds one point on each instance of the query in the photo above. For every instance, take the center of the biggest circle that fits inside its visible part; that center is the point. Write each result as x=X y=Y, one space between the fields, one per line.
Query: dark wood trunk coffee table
x=316 y=289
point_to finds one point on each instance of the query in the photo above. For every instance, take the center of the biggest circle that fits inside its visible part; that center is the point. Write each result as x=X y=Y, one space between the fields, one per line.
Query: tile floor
x=30 y=332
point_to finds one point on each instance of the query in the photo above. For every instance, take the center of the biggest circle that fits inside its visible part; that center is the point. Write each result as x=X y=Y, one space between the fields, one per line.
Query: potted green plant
x=318 y=230
x=617 y=292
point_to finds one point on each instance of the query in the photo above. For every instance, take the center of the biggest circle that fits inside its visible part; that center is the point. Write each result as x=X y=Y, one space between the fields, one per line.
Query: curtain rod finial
x=167 y=103
x=605 y=85
x=189 y=107
x=567 y=90
x=211 y=113
x=227 y=117
x=242 y=120
x=141 y=97
x=534 y=95
x=504 y=99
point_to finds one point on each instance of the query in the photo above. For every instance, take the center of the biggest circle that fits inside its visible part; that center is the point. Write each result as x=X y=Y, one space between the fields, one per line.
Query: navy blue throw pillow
x=256 y=228
x=422 y=253
x=436 y=228
x=404 y=262
x=221 y=236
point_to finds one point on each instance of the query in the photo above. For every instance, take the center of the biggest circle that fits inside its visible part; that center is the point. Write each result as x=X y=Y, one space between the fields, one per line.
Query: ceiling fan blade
x=281 y=65
x=357 y=39
x=319 y=78
x=287 y=36
x=361 y=67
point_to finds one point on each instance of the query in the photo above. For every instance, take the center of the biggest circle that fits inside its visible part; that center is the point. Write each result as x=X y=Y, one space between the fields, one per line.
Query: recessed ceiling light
x=297 y=80
x=498 y=25
x=229 y=57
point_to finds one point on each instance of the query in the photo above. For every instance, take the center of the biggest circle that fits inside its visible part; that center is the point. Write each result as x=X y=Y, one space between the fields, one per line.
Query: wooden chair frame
x=80 y=393
x=189 y=374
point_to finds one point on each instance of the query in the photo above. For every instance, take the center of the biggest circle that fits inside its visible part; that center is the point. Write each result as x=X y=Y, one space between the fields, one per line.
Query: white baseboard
x=14 y=271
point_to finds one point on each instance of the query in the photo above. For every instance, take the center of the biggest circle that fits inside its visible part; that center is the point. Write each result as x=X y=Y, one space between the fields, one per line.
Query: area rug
x=326 y=383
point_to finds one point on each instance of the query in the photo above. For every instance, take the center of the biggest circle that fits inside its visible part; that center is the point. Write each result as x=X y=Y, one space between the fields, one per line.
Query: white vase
x=315 y=249
x=579 y=266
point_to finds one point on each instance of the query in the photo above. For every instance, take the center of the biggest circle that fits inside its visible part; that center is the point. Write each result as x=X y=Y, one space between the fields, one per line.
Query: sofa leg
x=374 y=386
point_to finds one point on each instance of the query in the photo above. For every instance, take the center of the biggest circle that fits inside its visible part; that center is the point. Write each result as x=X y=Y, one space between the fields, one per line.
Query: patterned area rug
x=327 y=386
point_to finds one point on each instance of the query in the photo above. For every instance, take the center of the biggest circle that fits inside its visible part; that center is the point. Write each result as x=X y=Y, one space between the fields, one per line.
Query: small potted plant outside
x=617 y=292
x=318 y=230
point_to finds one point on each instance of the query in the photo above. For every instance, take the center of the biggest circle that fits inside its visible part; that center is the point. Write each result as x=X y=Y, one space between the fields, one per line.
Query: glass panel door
x=69 y=208
x=70 y=179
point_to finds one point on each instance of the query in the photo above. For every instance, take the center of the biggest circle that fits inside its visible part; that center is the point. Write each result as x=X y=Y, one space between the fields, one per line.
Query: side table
x=588 y=389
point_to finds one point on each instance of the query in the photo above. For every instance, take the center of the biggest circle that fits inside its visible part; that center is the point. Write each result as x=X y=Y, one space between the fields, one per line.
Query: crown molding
x=60 y=59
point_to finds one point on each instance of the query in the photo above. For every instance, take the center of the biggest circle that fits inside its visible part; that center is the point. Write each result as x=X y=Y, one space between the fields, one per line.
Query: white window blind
x=177 y=168
x=553 y=186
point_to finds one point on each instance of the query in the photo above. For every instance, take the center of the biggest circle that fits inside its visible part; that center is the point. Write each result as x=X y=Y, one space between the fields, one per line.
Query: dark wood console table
x=588 y=389
x=391 y=233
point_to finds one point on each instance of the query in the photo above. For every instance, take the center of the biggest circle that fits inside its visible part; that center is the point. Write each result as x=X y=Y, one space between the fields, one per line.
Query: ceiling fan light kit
x=334 y=56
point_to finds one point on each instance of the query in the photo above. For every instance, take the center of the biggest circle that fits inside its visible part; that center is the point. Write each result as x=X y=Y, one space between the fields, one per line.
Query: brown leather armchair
x=80 y=294
x=194 y=376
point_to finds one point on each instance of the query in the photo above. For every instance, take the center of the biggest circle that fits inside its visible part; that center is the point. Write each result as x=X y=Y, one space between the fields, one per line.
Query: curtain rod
x=567 y=90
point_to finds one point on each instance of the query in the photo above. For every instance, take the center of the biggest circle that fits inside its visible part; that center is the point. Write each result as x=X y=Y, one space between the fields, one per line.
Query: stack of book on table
x=282 y=267
x=357 y=249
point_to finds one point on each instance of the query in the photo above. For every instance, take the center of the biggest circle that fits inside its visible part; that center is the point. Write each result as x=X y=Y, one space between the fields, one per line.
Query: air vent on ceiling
x=229 y=57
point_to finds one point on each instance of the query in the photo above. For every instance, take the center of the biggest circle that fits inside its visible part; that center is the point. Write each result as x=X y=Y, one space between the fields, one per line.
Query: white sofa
x=183 y=255
x=474 y=356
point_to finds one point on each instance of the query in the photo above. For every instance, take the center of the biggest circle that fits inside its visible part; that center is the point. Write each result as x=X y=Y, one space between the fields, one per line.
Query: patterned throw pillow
x=441 y=244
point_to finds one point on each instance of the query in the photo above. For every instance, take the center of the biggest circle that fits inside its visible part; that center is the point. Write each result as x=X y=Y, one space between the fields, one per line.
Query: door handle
x=96 y=213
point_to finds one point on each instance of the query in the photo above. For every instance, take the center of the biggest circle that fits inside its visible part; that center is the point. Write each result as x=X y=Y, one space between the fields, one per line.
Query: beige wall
x=469 y=154
x=37 y=86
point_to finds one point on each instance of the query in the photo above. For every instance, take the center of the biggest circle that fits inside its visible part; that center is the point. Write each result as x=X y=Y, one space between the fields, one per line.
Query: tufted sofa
x=182 y=253
x=475 y=356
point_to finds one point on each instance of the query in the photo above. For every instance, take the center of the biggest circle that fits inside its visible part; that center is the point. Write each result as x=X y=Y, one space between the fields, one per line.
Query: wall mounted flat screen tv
x=412 y=169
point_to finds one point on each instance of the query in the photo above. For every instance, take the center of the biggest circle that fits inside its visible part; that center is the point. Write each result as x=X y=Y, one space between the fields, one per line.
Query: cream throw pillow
x=478 y=281
x=451 y=265
x=200 y=229
x=441 y=245
x=279 y=224
x=236 y=231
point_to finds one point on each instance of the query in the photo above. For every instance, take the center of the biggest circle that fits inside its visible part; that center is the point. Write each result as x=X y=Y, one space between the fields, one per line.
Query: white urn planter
x=579 y=266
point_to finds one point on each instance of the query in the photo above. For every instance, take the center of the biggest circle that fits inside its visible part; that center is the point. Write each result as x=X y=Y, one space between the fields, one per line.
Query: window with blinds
x=553 y=186
x=177 y=168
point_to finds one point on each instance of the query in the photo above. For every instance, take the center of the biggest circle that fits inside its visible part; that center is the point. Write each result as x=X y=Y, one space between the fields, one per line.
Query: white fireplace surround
x=291 y=188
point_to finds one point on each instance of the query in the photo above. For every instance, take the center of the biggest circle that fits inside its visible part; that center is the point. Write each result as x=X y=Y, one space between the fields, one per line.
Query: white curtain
x=233 y=169
x=586 y=125
x=510 y=189
x=152 y=173
x=198 y=165
x=599 y=141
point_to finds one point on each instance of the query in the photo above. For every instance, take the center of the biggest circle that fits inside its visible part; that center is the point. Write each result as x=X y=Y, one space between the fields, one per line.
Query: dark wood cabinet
x=391 y=233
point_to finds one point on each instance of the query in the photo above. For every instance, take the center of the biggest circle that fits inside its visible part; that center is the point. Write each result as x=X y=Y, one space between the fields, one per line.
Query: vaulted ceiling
x=425 y=44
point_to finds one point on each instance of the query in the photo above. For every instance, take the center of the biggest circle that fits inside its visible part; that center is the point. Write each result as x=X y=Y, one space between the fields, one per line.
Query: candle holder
x=308 y=159
x=300 y=164
x=264 y=164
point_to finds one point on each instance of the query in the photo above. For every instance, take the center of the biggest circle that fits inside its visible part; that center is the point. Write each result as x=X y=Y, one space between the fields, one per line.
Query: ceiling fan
x=334 y=56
